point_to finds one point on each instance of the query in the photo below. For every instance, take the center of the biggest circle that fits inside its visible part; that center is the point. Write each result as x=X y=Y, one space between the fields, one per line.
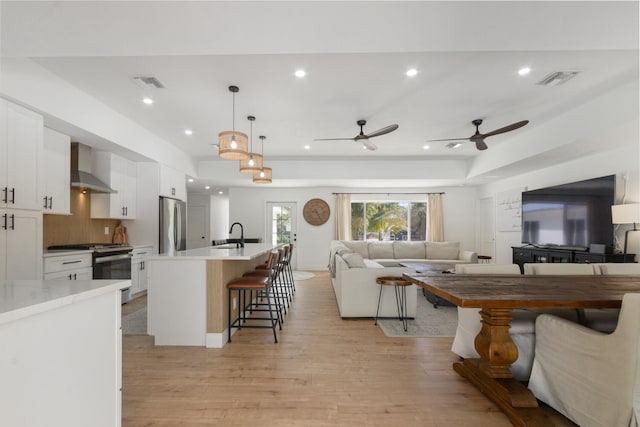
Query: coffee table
x=428 y=269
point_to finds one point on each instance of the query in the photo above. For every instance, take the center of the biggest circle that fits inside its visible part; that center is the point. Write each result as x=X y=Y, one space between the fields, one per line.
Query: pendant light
x=233 y=145
x=265 y=174
x=252 y=164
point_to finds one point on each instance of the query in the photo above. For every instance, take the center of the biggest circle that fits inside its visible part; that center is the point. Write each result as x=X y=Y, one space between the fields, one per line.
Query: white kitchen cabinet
x=21 y=244
x=57 y=155
x=21 y=172
x=64 y=266
x=61 y=358
x=139 y=268
x=120 y=174
x=172 y=183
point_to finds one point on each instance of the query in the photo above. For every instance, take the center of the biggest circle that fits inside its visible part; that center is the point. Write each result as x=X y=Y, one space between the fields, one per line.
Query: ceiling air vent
x=558 y=78
x=148 y=82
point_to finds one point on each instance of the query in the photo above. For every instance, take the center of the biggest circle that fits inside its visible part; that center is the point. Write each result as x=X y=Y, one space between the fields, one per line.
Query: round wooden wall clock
x=316 y=211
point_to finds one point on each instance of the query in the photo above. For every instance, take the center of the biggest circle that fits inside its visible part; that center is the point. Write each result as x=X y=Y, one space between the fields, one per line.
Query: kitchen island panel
x=61 y=358
x=222 y=272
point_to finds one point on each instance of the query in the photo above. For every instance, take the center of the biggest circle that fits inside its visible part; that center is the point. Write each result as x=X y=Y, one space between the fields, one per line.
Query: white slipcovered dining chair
x=559 y=268
x=592 y=378
x=603 y=320
x=618 y=268
x=522 y=323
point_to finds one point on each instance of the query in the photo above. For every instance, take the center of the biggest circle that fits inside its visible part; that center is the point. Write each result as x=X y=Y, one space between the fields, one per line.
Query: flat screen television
x=571 y=215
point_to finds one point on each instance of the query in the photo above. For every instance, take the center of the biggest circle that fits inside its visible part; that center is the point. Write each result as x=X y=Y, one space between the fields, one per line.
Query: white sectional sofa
x=355 y=265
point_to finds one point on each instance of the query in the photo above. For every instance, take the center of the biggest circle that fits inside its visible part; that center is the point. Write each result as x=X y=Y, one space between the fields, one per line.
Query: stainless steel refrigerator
x=173 y=225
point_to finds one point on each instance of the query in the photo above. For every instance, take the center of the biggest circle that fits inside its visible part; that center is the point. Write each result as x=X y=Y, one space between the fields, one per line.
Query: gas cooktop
x=89 y=246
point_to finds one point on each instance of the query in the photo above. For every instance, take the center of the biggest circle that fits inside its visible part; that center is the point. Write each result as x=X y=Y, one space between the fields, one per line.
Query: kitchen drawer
x=55 y=264
x=85 y=273
x=141 y=252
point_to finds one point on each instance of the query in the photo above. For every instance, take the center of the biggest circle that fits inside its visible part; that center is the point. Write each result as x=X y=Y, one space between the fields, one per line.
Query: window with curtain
x=388 y=220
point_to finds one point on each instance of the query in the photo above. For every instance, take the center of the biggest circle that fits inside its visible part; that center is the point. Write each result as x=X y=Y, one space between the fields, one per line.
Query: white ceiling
x=355 y=54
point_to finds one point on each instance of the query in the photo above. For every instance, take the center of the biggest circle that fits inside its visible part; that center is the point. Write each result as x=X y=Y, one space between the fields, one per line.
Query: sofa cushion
x=369 y=263
x=409 y=250
x=358 y=246
x=354 y=260
x=442 y=250
x=381 y=250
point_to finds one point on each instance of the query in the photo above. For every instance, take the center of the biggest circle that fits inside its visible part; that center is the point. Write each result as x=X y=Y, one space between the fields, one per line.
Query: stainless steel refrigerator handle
x=176 y=229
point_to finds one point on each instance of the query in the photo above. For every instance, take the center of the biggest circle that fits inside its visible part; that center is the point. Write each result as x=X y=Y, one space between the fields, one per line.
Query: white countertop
x=24 y=298
x=223 y=252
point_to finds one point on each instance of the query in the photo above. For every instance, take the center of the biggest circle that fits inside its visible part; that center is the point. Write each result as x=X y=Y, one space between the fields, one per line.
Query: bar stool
x=255 y=283
x=279 y=291
x=289 y=271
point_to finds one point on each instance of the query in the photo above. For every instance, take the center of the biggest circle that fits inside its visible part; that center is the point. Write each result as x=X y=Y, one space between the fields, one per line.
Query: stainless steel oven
x=110 y=261
x=113 y=262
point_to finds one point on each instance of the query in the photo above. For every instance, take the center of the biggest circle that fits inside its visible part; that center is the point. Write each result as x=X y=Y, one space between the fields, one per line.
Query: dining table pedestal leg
x=491 y=373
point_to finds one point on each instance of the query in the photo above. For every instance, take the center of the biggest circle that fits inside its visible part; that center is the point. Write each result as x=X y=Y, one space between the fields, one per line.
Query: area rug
x=135 y=323
x=429 y=321
x=302 y=275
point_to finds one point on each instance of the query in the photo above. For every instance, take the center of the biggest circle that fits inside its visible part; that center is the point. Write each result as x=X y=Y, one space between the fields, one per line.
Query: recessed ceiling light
x=206 y=187
x=188 y=132
x=307 y=147
x=220 y=192
x=426 y=147
x=147 y=100
x=190 y=180
x=524 y=71
x=300 y=73
x=412 y=72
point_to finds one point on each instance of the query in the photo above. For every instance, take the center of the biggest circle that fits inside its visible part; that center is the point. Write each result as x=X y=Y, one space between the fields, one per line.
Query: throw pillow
x=442 y=250
x=359 y=246
x=409 y=250
x=381 y=250
x=354 y=260
x=343 y=250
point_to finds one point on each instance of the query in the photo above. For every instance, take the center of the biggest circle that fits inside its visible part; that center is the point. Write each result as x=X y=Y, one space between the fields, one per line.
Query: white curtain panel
x=435 y=220
x=343 y=217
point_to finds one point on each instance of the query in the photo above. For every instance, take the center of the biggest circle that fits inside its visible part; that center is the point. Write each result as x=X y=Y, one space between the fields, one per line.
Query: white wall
x=248 y=206
x=219 y=221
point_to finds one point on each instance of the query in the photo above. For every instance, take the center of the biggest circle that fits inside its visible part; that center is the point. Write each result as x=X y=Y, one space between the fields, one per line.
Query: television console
x=522 y=255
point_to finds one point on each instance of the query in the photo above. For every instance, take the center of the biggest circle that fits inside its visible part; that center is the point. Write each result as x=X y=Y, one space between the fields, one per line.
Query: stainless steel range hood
x=81 y=176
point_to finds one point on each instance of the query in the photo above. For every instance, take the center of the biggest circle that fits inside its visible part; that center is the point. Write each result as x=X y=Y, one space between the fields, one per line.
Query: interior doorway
x=197 y=231
x=487 y=227
x=281 y=226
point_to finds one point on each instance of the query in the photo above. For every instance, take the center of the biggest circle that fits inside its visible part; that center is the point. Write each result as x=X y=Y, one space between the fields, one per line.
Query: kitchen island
x=187 y=294
x=61 y=353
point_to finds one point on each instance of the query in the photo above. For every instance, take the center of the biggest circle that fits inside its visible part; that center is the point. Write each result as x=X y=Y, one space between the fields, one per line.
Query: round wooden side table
x=400 y=287
x=484 y=259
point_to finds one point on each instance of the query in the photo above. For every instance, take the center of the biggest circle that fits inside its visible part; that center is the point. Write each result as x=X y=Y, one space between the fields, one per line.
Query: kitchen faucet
x=239 y=244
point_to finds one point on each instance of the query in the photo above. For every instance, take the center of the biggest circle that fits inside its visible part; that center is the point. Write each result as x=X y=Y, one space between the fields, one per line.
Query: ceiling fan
x=361 y=137
x=479 y=138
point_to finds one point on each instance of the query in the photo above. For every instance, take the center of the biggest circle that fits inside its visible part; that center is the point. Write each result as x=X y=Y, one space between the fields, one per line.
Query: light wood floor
x=324 y=371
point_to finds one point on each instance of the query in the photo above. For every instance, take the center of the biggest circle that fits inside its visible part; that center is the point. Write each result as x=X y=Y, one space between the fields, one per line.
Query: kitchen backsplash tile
x=78 y=227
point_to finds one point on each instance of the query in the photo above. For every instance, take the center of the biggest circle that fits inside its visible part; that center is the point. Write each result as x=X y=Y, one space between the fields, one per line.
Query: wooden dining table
x=496 y=296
